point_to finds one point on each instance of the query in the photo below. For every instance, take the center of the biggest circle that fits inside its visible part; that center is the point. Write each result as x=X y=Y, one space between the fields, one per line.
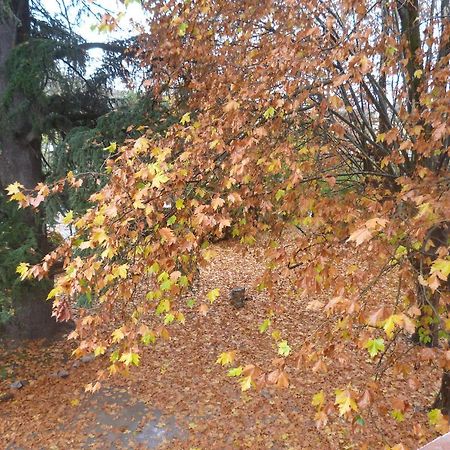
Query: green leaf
x=283 y=348
x=163 y=306
x=166 y=285
x=434 y=416
x=374 y=346
x=269 y=112
x=183 y=281
x=264 y=326
x=391 y=51
x=397 y=415
x=111 y=148
x=148 y=338
x=179 y=204
x=169 y=319
x=280 y=194
x=171 y=220
x=235 y=371
x=360 y=421
x=182 y=29
x=190 y=303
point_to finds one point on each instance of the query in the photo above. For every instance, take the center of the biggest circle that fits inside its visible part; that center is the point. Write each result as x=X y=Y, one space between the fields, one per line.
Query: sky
x=87 y=28
x=132 y=12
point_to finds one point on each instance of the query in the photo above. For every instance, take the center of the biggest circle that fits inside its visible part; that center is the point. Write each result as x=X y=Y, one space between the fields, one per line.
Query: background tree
x=51 y=100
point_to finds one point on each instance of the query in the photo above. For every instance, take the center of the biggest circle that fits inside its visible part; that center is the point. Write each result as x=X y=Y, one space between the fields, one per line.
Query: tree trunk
x=443 y=398
x=20 y=160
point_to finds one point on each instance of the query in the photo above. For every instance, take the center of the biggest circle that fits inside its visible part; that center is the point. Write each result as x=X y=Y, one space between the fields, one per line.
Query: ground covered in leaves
x=180 y=398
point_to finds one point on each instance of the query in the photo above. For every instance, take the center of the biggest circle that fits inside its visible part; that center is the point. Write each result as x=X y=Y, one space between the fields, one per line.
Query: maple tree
x=326 y=118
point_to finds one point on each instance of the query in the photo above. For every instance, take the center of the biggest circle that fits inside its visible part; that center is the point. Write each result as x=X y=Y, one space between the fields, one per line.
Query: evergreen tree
x=54 y=118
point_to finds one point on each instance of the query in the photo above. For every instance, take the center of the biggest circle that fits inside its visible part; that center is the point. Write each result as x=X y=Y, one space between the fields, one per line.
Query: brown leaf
x=365 y=400
x=360 y=236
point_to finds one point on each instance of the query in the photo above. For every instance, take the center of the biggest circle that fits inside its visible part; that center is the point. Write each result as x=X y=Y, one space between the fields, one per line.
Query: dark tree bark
x=443 y=398
x=20 y=160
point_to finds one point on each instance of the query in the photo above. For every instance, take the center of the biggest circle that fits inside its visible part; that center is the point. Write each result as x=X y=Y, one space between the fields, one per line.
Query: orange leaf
x=167 y=234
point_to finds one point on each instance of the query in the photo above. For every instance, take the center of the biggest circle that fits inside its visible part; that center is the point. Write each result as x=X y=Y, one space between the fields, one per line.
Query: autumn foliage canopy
x=306 y=127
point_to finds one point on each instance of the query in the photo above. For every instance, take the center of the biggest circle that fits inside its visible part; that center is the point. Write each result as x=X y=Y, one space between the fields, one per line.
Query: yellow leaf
x=212 y=295
x=99 y=219
x=120 y=271
x=14 y=188
x=68 y=218
x=441 y=268
x=180 y=317
x=117 y=335
x=100 y=350
x=213 y=144
x=246 y=383
x=159 y=179
x=22 y=270
x=54 y=292
x=226 y=358
x=318 y=399
x=345 y=401
x=99 y=235
x=186 y=118
x=179 y=204
x=276 y=335
x=217 y=202
x=111 y=148
x=390 y=323
x=18 y=197
x=130 y=358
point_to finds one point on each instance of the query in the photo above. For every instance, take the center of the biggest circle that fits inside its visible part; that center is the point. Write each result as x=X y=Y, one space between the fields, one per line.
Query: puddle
x=160 y=429
x=118 y=421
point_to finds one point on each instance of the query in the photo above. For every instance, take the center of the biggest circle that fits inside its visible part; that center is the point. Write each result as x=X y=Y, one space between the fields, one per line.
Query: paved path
x=441 y=443
x=118 y=421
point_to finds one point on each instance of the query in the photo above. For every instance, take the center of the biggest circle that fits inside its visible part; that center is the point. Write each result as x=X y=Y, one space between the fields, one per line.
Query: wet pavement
x=116 y=421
